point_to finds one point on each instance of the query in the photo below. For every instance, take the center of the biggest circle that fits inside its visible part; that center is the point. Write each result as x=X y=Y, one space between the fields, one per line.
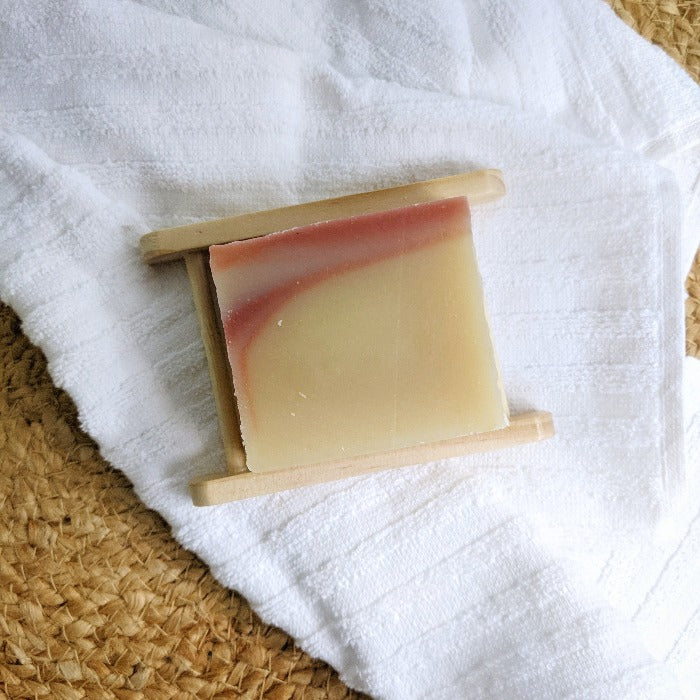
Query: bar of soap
x=358 y=336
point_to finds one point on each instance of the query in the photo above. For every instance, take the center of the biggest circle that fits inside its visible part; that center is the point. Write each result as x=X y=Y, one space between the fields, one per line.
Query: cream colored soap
x=358 y=336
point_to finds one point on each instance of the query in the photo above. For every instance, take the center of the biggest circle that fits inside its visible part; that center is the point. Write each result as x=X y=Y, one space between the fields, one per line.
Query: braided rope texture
x=96 y=598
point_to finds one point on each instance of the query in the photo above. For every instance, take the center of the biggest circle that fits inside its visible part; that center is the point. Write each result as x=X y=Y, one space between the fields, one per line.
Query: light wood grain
x=527 y=427
x=173 y=243
x=215 y=349
x=192 y=242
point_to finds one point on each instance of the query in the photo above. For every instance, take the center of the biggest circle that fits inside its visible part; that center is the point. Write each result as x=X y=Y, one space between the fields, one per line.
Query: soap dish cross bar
x=191 y=243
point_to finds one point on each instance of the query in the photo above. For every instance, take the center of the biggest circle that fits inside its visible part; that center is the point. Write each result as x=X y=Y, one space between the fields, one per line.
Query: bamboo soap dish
x=282 y=455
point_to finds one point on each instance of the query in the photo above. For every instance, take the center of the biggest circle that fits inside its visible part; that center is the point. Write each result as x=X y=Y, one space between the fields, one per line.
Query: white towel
x=563 y=569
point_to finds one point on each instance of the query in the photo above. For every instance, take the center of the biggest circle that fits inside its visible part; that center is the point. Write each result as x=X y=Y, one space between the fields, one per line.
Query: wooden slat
x=215 y=349
x=173 y=243
x=524 y=428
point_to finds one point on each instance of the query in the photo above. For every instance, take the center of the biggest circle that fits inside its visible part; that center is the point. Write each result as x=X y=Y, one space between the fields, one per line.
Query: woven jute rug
x=96 y=598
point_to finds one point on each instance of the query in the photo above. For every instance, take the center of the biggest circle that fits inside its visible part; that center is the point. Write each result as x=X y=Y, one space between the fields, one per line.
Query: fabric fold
x=538 y=572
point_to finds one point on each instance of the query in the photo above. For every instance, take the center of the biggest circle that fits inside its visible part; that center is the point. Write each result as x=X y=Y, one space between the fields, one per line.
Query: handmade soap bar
x=357 y=336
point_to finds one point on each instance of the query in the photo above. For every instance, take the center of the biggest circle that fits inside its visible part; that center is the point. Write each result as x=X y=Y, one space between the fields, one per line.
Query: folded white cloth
x=567 y=568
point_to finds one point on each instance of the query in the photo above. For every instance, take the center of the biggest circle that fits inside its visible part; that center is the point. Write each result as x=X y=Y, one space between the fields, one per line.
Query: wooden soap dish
x=192 y=242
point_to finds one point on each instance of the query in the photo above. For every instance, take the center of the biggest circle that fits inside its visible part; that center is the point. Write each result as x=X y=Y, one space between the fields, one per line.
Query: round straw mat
x=96 y=599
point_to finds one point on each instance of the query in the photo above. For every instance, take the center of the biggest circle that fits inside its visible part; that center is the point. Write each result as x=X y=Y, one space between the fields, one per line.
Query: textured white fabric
x=565 y=569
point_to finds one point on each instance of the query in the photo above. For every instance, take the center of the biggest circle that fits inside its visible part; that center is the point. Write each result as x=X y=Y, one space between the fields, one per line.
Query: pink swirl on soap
x=276 y=267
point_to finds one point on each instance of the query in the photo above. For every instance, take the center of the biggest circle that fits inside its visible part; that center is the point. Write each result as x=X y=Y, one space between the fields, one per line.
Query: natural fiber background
x=96 y=599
